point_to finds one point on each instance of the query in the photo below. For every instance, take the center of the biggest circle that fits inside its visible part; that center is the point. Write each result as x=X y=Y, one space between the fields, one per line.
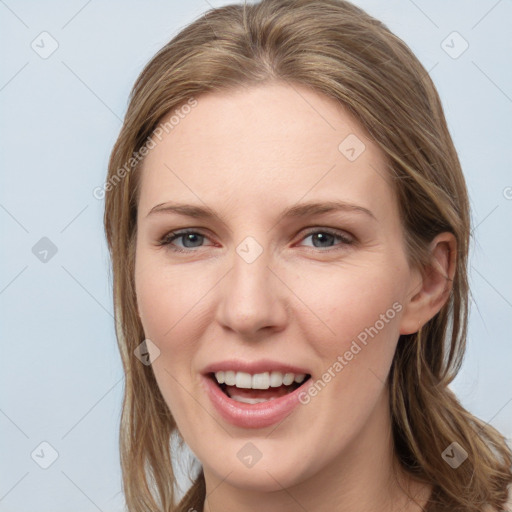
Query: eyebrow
x=296 y=211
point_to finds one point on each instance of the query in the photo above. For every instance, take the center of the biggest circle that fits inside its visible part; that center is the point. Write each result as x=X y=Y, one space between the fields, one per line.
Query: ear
x=430 y=288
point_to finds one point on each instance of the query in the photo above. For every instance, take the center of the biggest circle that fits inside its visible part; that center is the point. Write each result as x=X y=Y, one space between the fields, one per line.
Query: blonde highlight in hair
x=336 y=49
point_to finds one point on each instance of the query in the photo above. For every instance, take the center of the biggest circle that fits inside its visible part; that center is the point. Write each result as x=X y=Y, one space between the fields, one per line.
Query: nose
x=253 y=298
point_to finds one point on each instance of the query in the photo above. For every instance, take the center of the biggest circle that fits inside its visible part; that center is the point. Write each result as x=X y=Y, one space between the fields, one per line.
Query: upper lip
x=253 y=367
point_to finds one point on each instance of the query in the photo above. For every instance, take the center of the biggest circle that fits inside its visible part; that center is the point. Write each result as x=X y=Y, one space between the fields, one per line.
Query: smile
x=258 y=388
x=254 y=400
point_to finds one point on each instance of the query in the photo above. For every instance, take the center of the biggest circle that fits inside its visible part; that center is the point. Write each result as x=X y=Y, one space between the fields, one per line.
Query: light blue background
x=61 y=378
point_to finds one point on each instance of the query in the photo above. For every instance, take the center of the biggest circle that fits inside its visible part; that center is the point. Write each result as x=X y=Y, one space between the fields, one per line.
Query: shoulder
x=506 y=508
x=508 y=505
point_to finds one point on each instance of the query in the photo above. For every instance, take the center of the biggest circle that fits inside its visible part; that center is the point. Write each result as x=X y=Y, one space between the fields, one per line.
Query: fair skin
x=249 y=155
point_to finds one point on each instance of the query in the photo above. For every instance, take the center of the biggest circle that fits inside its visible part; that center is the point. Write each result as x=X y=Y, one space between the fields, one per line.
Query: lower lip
x=245 y=415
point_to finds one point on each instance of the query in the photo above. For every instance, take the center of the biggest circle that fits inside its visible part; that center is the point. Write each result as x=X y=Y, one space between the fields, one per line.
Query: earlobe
x=426 y=299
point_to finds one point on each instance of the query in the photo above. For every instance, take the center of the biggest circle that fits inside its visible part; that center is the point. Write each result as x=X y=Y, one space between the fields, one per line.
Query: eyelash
x=168 y=238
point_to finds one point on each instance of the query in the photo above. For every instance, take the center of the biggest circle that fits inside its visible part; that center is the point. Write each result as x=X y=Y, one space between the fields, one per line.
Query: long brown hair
x=334 y=48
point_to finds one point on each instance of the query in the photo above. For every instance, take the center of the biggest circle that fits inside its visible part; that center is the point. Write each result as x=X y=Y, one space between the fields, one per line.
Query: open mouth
x=257 y=388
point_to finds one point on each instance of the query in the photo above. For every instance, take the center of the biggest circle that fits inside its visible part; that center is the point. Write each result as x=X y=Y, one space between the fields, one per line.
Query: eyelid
x=342 y=234
x=170 y=236
x=345 y=237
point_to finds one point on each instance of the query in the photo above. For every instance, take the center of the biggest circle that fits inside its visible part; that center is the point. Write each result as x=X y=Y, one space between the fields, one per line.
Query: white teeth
x=261 y=381
x=264 y=380
x=229 y=378
x=245 y=400
x=276 y=379
x=243 y=380
x=288 y=378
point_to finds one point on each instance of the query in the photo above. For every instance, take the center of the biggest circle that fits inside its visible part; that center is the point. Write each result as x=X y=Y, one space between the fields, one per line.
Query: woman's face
x=267 y=286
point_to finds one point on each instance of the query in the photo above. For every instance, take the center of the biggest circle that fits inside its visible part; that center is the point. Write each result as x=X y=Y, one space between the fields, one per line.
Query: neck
x=364 y=477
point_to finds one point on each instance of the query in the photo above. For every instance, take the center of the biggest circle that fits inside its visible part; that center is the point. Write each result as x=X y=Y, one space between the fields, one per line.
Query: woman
x=289 y=224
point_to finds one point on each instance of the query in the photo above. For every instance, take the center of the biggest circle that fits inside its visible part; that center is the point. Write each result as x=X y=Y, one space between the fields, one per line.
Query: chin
x=264 y=477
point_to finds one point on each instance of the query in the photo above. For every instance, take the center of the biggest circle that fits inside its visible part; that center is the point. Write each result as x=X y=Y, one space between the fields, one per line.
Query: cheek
x=166 y=308
x=354 y=303
x=362 y=307
x=169 y=304
x=168 y=297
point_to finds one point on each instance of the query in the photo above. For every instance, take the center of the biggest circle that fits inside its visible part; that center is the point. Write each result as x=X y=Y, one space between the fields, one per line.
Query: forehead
x=264 y=145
